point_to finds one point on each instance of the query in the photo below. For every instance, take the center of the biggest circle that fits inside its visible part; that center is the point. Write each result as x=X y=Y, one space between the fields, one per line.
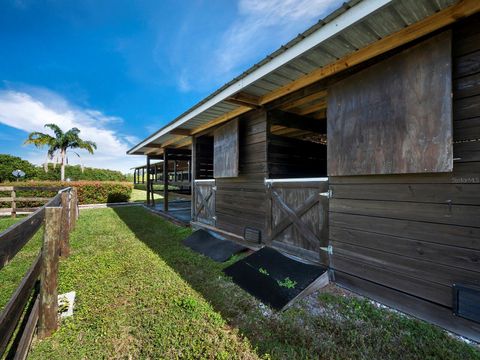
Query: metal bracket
x=328 y=249
x=214 y=188
x=328 y=194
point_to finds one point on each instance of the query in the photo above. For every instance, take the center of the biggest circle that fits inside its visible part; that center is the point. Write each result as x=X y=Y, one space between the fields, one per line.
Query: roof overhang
x=344 y=38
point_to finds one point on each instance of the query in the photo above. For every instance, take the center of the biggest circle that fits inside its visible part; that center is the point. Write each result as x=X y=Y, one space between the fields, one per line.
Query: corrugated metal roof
x=389 y=17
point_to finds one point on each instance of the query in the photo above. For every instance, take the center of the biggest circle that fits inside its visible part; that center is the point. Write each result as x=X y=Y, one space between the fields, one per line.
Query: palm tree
x=60 y=144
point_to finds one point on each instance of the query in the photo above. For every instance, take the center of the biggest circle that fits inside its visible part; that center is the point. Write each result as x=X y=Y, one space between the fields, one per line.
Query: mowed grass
x=141 y=294
x=12 y=274
x=141 y=196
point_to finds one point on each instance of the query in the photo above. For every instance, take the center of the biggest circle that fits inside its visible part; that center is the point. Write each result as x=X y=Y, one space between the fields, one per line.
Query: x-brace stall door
x=204 y=209
x=297 y=219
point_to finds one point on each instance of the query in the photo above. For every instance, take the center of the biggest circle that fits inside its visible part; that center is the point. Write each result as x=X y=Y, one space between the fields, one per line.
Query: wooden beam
x=294 y=121
x=241 y=103
x=221 y=119
x=178 y=151
x=245 y=99
x=153 y=146
x=312 y=108
x=303 y=100
x=437 y=21
x=186 y=141
x=173 y=141
x=178 y=131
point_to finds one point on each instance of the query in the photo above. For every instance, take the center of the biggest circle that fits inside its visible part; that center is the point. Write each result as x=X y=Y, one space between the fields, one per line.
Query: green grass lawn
x=141 y=294
x=12 y=274
x=141 y=196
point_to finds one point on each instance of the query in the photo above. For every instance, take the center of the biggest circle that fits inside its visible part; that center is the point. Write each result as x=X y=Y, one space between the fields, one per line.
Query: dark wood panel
x=467 y=129
x=439 y=315
x=381 y=120
x=453 y=255
x=463 y=173
x=468 y=44
x=253 y=153
x=226 y=150
x=432 y=193
x=459 y=236
x=466 y=65
x=466 y=108
x=424 y=270
x=468 y=151
x=464 y=215
x=467 y=86
x=419 y=287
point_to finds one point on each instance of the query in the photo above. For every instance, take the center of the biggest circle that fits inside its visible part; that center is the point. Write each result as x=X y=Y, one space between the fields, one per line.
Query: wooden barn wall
x=241 y=201
x=406 y=239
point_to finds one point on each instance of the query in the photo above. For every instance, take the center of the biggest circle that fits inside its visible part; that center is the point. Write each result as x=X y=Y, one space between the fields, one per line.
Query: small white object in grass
x=66 y=303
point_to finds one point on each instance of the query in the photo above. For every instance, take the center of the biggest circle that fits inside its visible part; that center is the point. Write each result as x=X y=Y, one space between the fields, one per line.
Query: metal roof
x=356 y=24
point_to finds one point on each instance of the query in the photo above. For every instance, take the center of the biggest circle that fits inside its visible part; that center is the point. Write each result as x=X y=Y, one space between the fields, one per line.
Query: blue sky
x=119 y=70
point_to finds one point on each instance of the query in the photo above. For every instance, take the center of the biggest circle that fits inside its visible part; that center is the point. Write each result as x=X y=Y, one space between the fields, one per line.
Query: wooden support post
x=175 y=179
x=65 y=231
x=193 y=169
x=48 y=317
x=14 y=204
x=148 y=180
x=134 y=176
x=165 y=180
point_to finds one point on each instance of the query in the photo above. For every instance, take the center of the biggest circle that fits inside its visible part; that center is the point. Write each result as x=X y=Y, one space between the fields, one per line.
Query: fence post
x=65 y=232
x=73 y=209
x=13 y=214
x=48 y=317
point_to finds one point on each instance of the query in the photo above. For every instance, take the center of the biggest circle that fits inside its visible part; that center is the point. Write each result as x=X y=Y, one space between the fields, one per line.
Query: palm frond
x=39 y=139
x=56 y=129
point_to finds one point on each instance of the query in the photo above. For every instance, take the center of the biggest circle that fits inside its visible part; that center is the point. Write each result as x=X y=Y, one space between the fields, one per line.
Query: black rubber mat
x=214 y=247
x=273 y=278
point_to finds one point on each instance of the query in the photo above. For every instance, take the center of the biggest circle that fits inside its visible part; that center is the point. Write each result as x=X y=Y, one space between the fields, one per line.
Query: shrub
x=75 y=173
x=9 y=163
x=89 y=192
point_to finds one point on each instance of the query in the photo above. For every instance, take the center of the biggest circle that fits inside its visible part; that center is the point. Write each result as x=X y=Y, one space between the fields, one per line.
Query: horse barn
x=355 y=146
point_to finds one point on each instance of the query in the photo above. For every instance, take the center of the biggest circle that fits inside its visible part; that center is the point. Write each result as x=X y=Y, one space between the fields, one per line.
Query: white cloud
x=29 y=113
x=259 y=28
x=267 y=22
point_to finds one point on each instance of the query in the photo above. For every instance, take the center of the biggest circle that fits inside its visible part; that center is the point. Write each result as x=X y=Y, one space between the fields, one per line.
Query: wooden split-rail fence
x=15 y=199
x=34 y=304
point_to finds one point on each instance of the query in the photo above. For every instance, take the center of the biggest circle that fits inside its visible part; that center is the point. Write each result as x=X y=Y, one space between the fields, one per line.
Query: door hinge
x=328 y=194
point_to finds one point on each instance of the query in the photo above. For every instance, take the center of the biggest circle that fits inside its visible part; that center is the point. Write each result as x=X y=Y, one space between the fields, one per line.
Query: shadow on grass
x=356 y=330
x=205 y=276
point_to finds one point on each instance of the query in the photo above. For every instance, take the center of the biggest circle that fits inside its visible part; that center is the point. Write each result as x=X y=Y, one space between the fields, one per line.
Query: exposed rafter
x=244 y=99
x=178 y=131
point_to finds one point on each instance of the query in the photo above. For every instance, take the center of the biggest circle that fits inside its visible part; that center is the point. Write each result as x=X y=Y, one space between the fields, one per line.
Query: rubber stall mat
x=214 y=247
x=273 y=278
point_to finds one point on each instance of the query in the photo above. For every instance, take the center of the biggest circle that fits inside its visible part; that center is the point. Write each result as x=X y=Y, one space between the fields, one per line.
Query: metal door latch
x=328 y=194
x=328 y=249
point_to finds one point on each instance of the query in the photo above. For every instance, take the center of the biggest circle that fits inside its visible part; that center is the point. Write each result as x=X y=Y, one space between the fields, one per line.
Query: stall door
x=204 y=204
x=297 y=219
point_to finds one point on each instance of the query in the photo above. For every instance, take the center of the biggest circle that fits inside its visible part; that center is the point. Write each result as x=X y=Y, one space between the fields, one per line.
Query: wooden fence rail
x=14 y=199
x=34 y=303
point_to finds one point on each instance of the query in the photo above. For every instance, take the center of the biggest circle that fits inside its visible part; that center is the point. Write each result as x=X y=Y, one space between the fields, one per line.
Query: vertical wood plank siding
x=406 y=239
x=240 y=201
